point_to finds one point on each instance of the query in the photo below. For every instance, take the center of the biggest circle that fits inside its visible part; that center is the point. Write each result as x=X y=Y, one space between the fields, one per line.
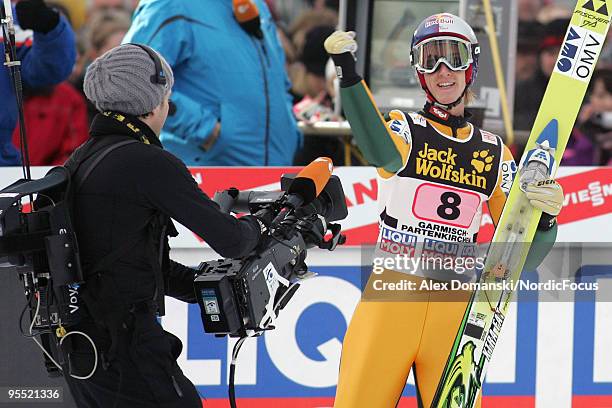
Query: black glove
x=35 y=15
x=263 y=219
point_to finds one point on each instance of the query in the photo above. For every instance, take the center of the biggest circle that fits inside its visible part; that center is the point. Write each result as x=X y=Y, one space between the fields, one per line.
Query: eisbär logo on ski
x=579 y=53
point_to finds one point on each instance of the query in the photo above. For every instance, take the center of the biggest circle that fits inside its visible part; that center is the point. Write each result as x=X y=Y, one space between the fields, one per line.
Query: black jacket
x=127 y=190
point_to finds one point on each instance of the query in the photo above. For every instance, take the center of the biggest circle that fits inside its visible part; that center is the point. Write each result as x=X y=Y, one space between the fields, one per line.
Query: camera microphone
x=300 y=192
x=247 y=15
x=307 y=185
x=309 y=182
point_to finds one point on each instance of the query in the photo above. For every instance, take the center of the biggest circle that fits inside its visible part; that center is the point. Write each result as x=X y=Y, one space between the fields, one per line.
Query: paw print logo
x=482 y=161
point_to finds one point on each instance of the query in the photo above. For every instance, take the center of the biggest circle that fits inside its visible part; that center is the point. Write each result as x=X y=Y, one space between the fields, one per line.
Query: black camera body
x=242 y=297
x=236 y=295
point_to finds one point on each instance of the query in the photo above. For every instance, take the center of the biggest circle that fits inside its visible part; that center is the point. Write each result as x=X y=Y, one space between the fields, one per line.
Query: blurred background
x=529 y=32
x=552 y=354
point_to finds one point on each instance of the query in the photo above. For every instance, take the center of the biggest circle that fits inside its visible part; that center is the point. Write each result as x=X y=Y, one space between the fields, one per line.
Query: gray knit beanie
x=120 y=80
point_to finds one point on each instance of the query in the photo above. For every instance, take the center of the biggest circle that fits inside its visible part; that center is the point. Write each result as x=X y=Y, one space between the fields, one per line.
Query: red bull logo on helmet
x=440 y=19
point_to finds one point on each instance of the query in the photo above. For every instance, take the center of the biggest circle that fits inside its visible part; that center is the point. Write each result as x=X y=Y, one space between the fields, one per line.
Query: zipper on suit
x=263 y=59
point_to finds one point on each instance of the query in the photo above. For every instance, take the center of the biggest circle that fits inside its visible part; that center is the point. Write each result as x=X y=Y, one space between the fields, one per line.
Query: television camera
x=242 y=297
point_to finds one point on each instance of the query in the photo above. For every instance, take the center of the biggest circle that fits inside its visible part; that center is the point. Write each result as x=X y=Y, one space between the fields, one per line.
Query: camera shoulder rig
x=37 y=237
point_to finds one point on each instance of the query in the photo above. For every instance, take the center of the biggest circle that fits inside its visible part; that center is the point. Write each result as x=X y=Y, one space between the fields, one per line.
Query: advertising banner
x=550 y=354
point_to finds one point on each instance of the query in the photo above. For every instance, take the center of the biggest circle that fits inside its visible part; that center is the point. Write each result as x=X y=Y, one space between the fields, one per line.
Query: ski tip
x=550 y=134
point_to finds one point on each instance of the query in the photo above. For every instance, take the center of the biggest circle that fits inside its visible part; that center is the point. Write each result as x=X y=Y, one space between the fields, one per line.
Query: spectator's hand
x=208 y=143
x=585 y=113
x=340 y=42
x=547 y=195
x=35 y=15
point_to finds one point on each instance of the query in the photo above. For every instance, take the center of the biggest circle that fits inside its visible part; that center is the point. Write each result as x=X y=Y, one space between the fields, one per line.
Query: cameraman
x=122 y=215
x=46 y=60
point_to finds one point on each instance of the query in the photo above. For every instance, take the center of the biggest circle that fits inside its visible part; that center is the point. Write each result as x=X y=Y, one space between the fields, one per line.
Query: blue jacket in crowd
x=48 y=61
x=221 y=74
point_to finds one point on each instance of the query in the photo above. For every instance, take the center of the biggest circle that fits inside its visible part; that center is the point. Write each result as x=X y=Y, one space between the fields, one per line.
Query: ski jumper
x=435 y=173
x=432 y=186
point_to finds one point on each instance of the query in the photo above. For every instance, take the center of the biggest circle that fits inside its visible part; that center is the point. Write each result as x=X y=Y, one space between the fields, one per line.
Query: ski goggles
x=454 y=52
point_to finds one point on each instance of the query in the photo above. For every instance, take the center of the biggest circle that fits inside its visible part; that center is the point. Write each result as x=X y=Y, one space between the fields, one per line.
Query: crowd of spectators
x=541 y=30
x=58 y=116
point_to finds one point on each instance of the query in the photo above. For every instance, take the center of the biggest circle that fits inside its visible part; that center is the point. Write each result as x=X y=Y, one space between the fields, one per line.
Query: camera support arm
x=14 y=68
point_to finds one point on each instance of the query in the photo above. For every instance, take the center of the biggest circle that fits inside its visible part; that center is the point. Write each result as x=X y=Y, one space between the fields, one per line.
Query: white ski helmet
x=448 y=39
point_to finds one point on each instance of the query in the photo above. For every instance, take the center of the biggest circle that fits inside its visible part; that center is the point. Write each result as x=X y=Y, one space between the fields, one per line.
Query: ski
x=466 y=367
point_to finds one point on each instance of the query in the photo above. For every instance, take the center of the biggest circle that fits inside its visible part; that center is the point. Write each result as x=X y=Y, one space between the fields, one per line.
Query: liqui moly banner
x=550 y=354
